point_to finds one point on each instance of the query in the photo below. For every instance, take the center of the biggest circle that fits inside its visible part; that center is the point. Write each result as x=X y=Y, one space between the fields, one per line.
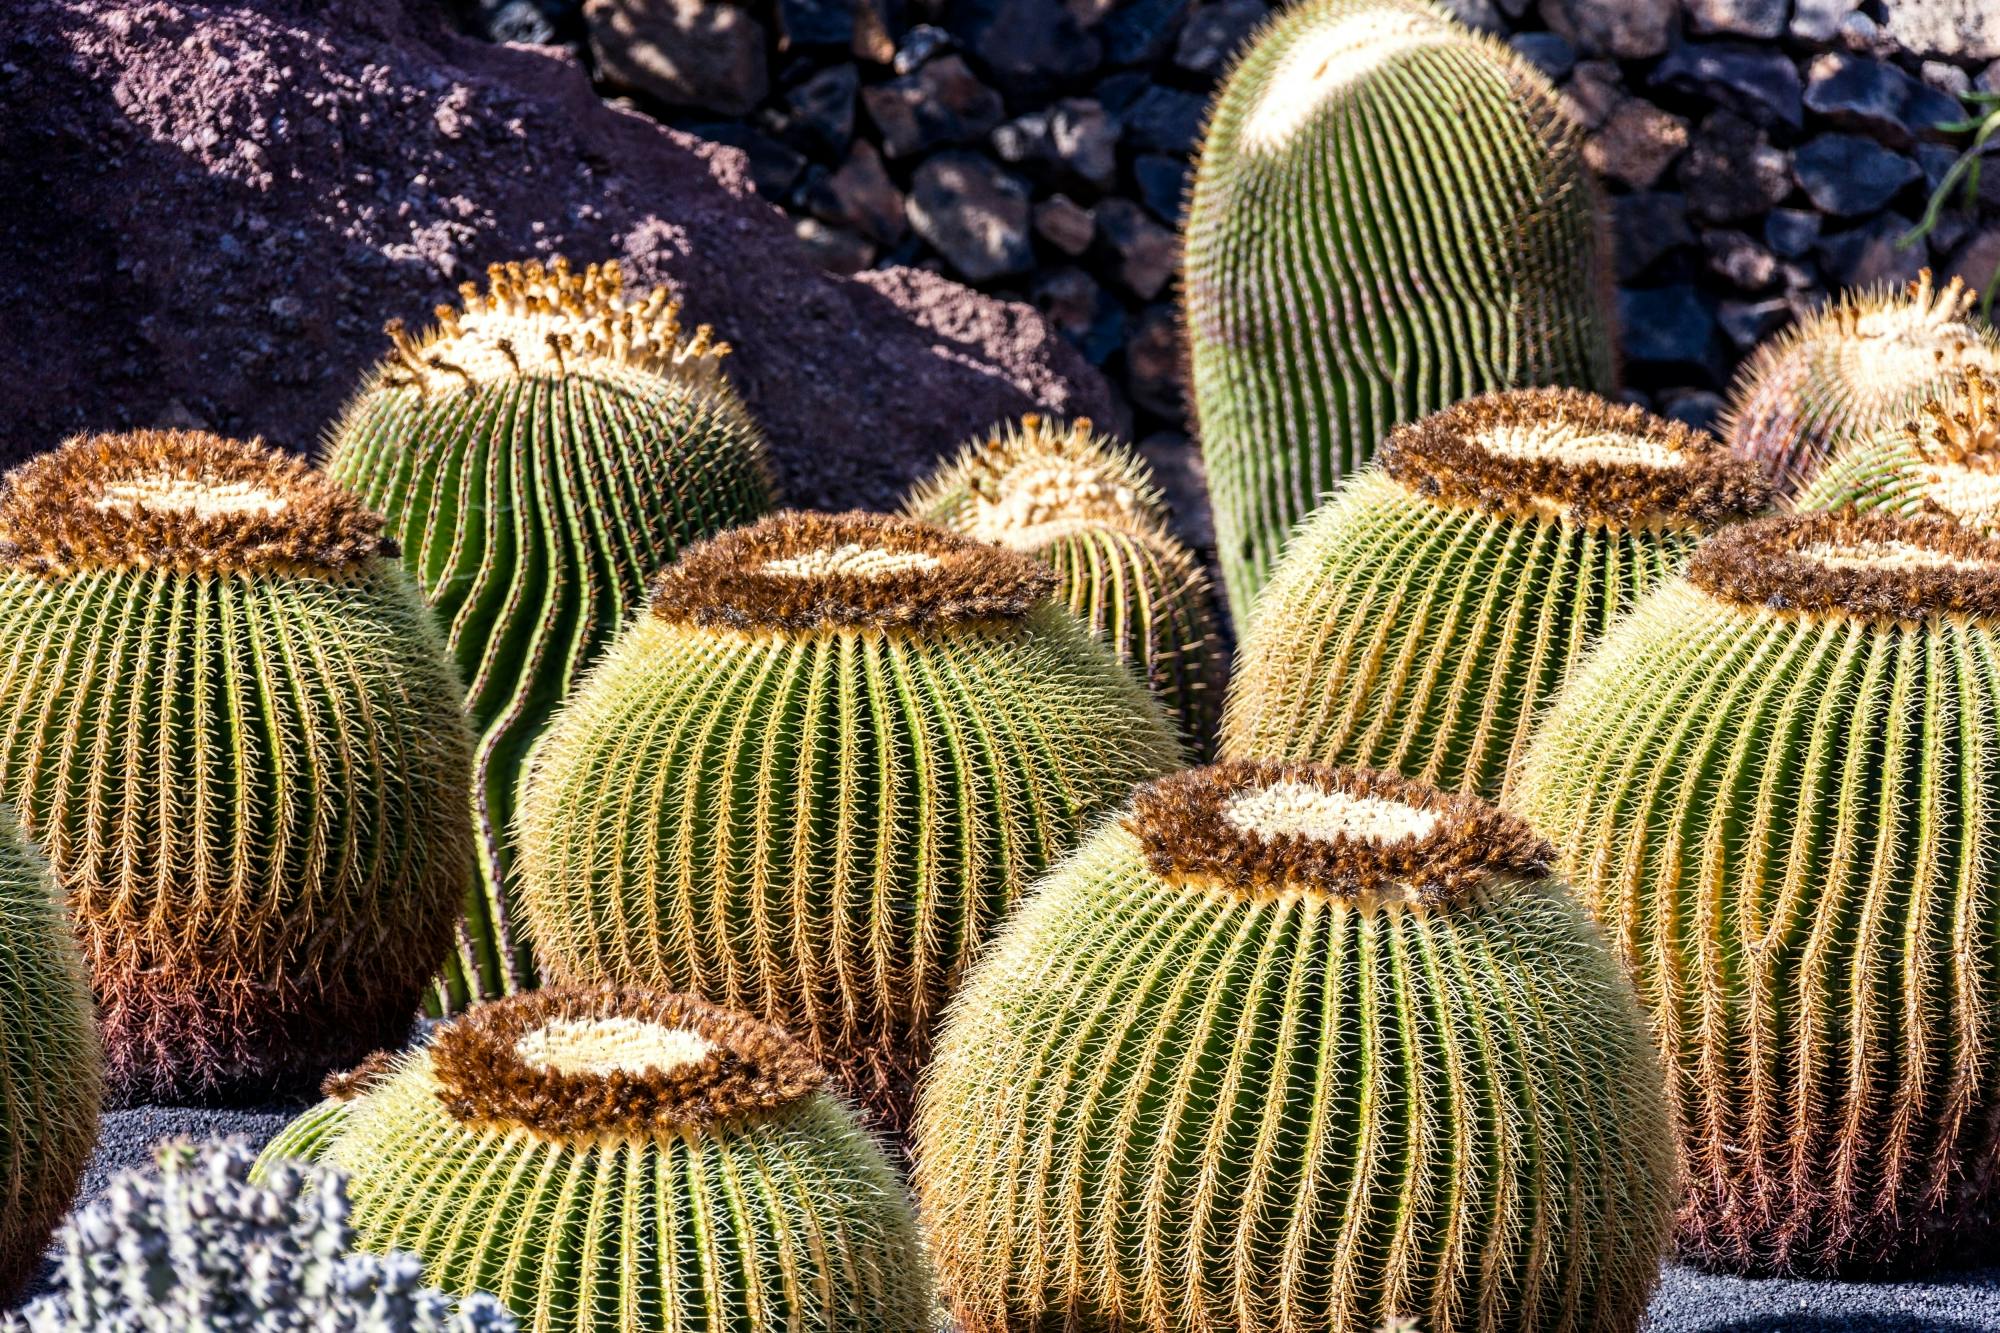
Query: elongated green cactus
x=1944 y=461
x=810 y=780
x=1864 y=364
x=540 y=453
x=1389 y=214
x=1422 y=619
x=1295 y=1048
x=1088 y=509
x=51 y=1071
x=608 y=1161
x=1778 y=785
x=229 y=719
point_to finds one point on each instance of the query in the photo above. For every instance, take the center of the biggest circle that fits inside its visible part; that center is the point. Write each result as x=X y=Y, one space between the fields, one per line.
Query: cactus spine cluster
x=51 y=1072
x=1294 y=1048
x=539 y=453
x=1422 y=618
x=1088 y=509
x=813 y=776
x=1389 y=214
x=607 y=1161
x=1778 y=785
x=1864 y=364
x=1944 y=461
x=230 y=721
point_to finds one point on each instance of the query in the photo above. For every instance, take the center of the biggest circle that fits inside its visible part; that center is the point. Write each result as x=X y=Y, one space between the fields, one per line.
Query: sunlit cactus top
x=1945 y=460
x=1036 y=479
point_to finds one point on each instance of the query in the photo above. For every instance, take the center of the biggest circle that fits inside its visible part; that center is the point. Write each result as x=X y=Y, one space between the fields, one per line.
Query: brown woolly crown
x=550 y=321
x=1872 y=565
x=1258 y=827
x=1028 y=481
x=589 y=1060
x=184 y=501
x=344 y=1085
x=1537 y=452
x=801 y=572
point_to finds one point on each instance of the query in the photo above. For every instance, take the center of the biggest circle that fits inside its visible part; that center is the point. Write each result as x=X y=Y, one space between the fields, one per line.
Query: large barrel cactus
x=1422 y=619
x=539 y=453
x=1089 y=510
x=1778 y=784
x=230 y=721
x=1289 y=1049
x=1945 y=460
x=1389 y=214
x=813 y=776
x=609 y=1161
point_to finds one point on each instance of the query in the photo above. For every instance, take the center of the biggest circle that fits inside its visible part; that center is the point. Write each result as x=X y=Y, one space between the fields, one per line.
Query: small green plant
x=1982 y=123
x=1946 y=460
x=1293 y=1048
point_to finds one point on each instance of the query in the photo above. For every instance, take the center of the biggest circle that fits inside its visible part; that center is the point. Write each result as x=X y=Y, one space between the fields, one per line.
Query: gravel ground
x=1958 y=1301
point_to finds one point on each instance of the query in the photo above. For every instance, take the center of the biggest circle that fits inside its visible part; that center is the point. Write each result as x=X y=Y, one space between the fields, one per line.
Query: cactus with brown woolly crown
x=1422 y=618
x=229 y=719
x=1944 y=461
x=814 y=775
x=1088 y=509
x=1293 y=1048
x=1866 y=363
x=539 y=453
x=1777 y=783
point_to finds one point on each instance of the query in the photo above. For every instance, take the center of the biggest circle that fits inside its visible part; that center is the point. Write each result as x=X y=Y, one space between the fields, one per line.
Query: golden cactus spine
x=1946 y=460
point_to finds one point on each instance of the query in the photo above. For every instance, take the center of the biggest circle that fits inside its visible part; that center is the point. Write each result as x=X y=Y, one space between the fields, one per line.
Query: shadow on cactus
x=229 y=720
x=1944 y=461
x=1088 y=509
x=1297 y=1048
x=1778 y=785
x=539 y=453
x=1421 y=618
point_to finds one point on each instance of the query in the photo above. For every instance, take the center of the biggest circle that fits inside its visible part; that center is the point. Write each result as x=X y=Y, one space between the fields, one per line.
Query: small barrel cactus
x=815 y=774
x=1390 y=213
x=1088 y=509
x=616 y=1160
x=1291 y=1048
x=1867 y=362
x=539 y=453
x=1944 y=461
x=51 y=1073
x=228 y=718
x=1422 y=618
x=197 y=1246
x=1777 y=783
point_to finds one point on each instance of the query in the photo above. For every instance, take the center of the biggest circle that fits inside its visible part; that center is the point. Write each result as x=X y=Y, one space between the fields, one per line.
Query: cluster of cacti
x=232 y=725
x=539 y=453
x=1864 y=364
x=1295 y=1048
x=811 y=777
x=197 y=1246
x=1389 y=213
x=615 y=1160
x=1946 y=460
x=1088 y=509
x=1422 y=618
x=1777 y=782
x=50 y=1069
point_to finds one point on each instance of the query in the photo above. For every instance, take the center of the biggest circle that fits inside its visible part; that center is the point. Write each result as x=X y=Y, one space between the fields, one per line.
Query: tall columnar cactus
x=812 y=777
x=1946 y=460
x=1421 y=619
x=1295 y=1048
x=229 y=719
x=540 y=453
x=1088 y=509
x=1778 y=784
x=1389 y=214
x=1865 y=363
x=608 y=1161
x=51 y=1072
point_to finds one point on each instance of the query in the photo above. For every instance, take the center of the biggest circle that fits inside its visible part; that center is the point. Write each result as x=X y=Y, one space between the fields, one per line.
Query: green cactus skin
x=1389 y=214
x=1777 y=784
x=812 y=794
x=1944 y=461
x=232 y=725
x=1293 y=1048
x=1864 y=364
x=538 y=455
x=1088 y=509
x=635 y=1181
x=1421 y=619
x=51 y=1070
